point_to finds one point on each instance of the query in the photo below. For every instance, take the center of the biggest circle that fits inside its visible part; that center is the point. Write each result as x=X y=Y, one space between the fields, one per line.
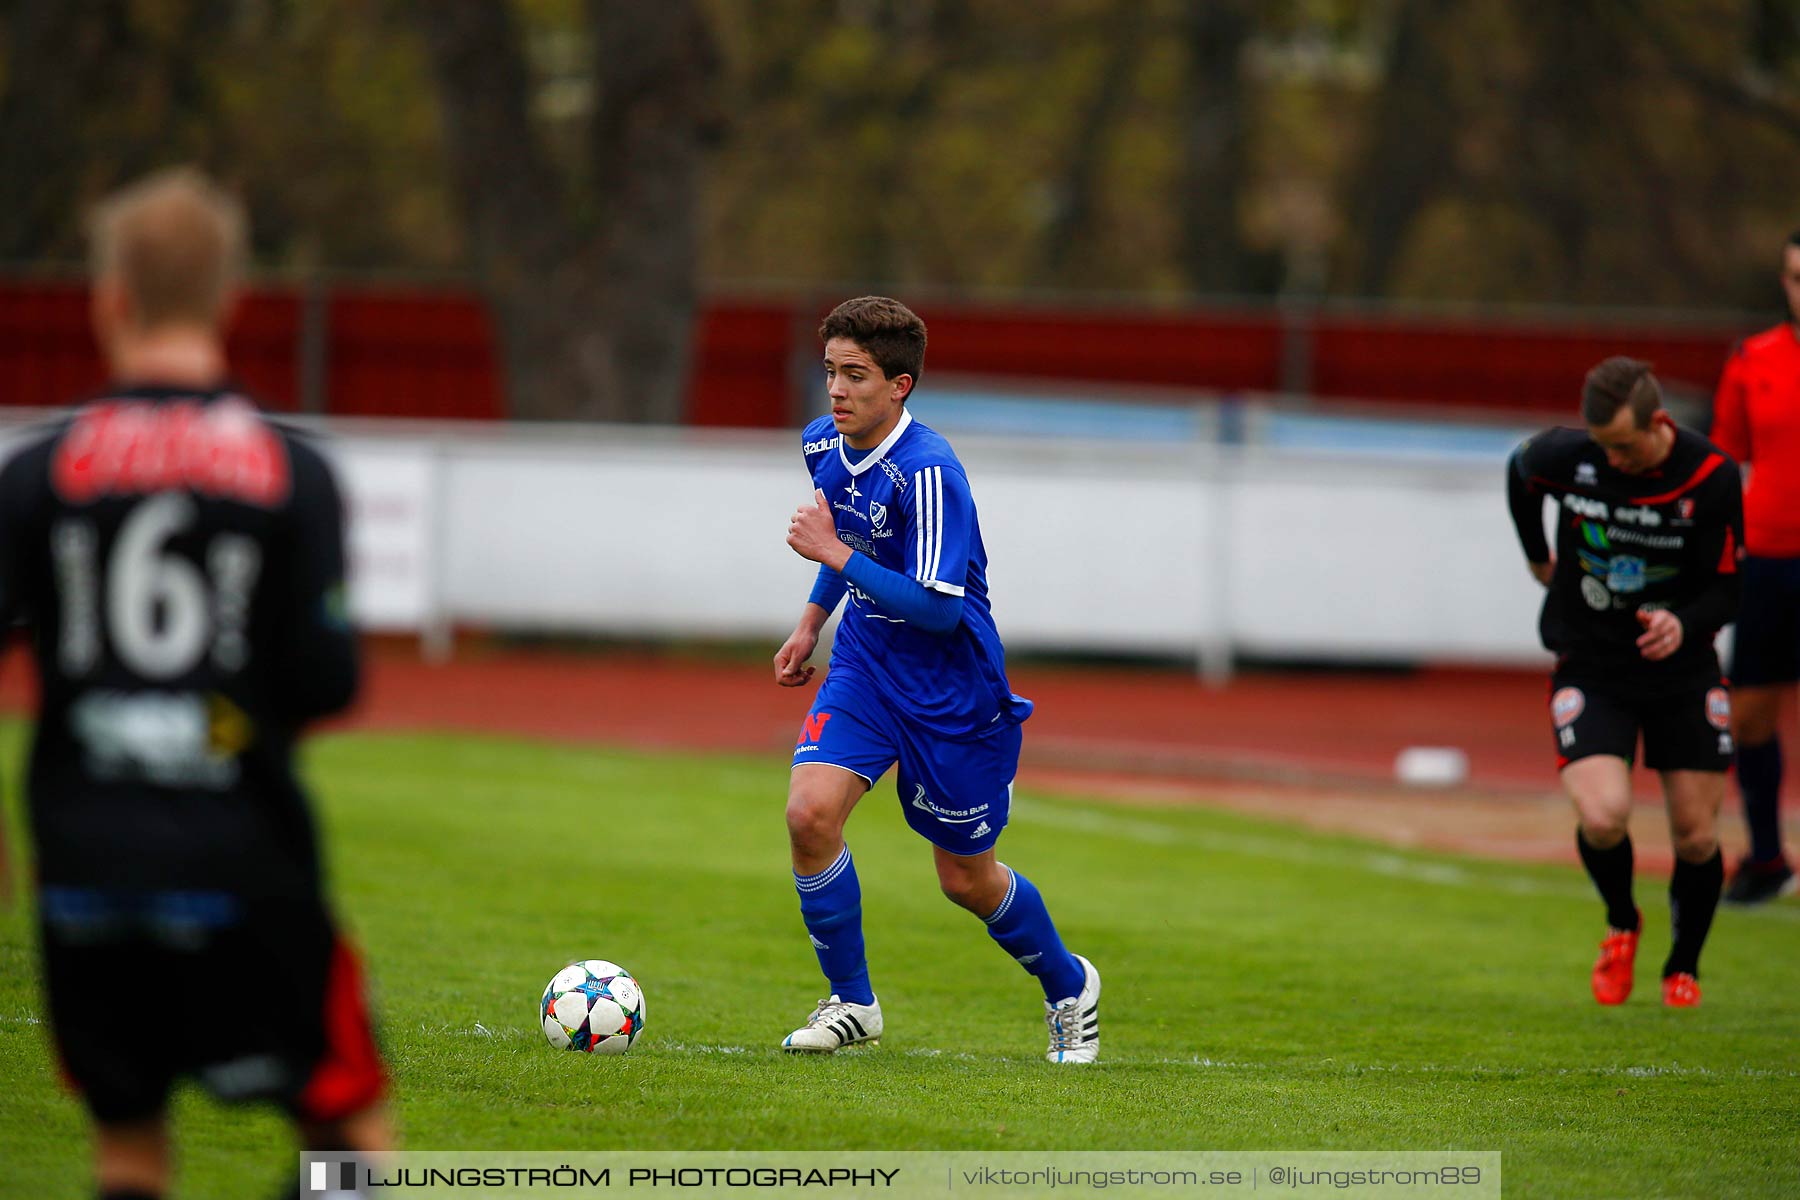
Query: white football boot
x=1075 y=1023
x=835 y=1024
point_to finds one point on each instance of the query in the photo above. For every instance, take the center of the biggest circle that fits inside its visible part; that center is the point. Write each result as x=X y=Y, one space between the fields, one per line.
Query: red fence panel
x=1492 y=364
x=47 y=354
x=48 y=357
x=743 y=365
x=392 y=351
x=264 y=346
x=1223 y=350
x=405 y=353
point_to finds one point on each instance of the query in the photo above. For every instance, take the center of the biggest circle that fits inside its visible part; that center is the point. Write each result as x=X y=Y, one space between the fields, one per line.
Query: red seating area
x=1500 y=364
x=411 y=352
x=1222 y=350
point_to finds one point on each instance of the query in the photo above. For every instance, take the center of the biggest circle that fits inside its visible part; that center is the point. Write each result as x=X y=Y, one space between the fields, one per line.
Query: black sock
x=1759 y=782
x=1611 y=872
x=1693 y=897
x=128 y=1194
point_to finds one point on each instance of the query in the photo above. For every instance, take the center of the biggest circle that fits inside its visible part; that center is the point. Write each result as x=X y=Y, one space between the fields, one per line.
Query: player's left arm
x=320 y=660
x=812 y=533
x=1718 y=544
x=937 y=532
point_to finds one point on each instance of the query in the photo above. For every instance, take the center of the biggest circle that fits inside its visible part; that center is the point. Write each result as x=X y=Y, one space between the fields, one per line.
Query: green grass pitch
x=1264 y=989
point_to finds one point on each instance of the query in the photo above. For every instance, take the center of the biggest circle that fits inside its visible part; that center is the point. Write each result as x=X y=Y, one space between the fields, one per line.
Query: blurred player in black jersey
x=1649 y=528
x=179 y=563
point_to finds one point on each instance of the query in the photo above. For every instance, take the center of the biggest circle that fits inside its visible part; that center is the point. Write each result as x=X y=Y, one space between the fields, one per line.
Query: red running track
x=1315 y=747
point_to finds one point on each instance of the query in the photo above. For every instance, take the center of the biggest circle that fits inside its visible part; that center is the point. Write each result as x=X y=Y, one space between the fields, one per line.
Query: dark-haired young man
x=918 y=678
x=1756 y=420
x=179 y=563
x=1649 y=528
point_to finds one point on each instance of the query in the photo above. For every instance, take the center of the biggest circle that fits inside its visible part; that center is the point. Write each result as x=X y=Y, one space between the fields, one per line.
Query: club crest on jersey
x=877 y=514
x=1625 y=573
x=1620 y=574
x=1585 y=473
x=1684 y=509
x=1718 y=708
x=1595 y=593
x=1566 y=706
x=132 y=446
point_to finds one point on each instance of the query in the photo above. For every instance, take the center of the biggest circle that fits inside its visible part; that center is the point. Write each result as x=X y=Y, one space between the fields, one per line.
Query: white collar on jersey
x=874 y=456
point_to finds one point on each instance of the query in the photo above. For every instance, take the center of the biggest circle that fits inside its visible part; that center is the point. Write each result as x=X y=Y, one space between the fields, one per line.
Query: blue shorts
x=957 y=794
x=1766 y=649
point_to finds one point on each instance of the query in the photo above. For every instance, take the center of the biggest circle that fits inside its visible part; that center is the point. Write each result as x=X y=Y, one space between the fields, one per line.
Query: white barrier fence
x=1187 y=549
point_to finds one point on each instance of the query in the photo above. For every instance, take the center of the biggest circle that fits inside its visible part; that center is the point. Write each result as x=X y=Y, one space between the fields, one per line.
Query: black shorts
x=1685 y=728
x=254 y=1000
x=1766 y=648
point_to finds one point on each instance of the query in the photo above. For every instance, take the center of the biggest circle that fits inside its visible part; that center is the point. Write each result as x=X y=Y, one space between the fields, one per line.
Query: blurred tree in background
x=595 y=164
x=320 y=111
x=590 y=256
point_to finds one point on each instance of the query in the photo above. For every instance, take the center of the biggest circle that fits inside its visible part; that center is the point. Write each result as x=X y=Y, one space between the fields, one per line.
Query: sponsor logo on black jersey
x=130 y=447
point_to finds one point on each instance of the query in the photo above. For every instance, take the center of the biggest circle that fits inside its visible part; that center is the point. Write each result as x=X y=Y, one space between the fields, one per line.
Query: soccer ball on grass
x=595 y=1006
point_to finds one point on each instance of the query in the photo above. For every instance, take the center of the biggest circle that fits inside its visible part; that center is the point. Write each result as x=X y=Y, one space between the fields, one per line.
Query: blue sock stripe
x=812 y=883
x=1012 y=889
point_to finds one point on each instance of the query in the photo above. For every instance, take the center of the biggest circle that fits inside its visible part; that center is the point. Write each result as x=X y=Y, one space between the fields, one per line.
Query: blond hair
x=175 y=242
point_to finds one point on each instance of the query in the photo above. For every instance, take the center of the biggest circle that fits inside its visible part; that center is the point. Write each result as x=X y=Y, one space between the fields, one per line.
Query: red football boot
x=1681 y=990
x=1612 y=974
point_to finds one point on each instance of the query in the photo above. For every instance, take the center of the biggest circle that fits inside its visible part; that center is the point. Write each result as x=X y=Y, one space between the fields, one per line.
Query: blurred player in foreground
x=918 y=676
x=1756 y=420
x=179 y=563
x=1649 y=525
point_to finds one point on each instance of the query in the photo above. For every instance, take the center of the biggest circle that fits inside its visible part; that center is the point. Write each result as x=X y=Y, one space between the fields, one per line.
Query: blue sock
x=1024 y=930
x=1759 y=779
x=831 y=906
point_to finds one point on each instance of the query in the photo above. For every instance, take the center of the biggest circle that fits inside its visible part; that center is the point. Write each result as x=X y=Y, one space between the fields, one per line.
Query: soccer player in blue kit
x=918 y=678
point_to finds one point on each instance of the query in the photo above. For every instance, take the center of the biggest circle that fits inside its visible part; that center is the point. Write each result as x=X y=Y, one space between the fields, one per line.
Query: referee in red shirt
x=1756 y=420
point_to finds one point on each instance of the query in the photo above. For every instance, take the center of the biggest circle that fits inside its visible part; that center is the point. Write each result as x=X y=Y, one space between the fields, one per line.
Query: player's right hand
x=790 y=661
x=1662 y=634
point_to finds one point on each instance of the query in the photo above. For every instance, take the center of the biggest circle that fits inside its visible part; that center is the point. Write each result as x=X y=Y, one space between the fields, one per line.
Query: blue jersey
x=906 y=504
